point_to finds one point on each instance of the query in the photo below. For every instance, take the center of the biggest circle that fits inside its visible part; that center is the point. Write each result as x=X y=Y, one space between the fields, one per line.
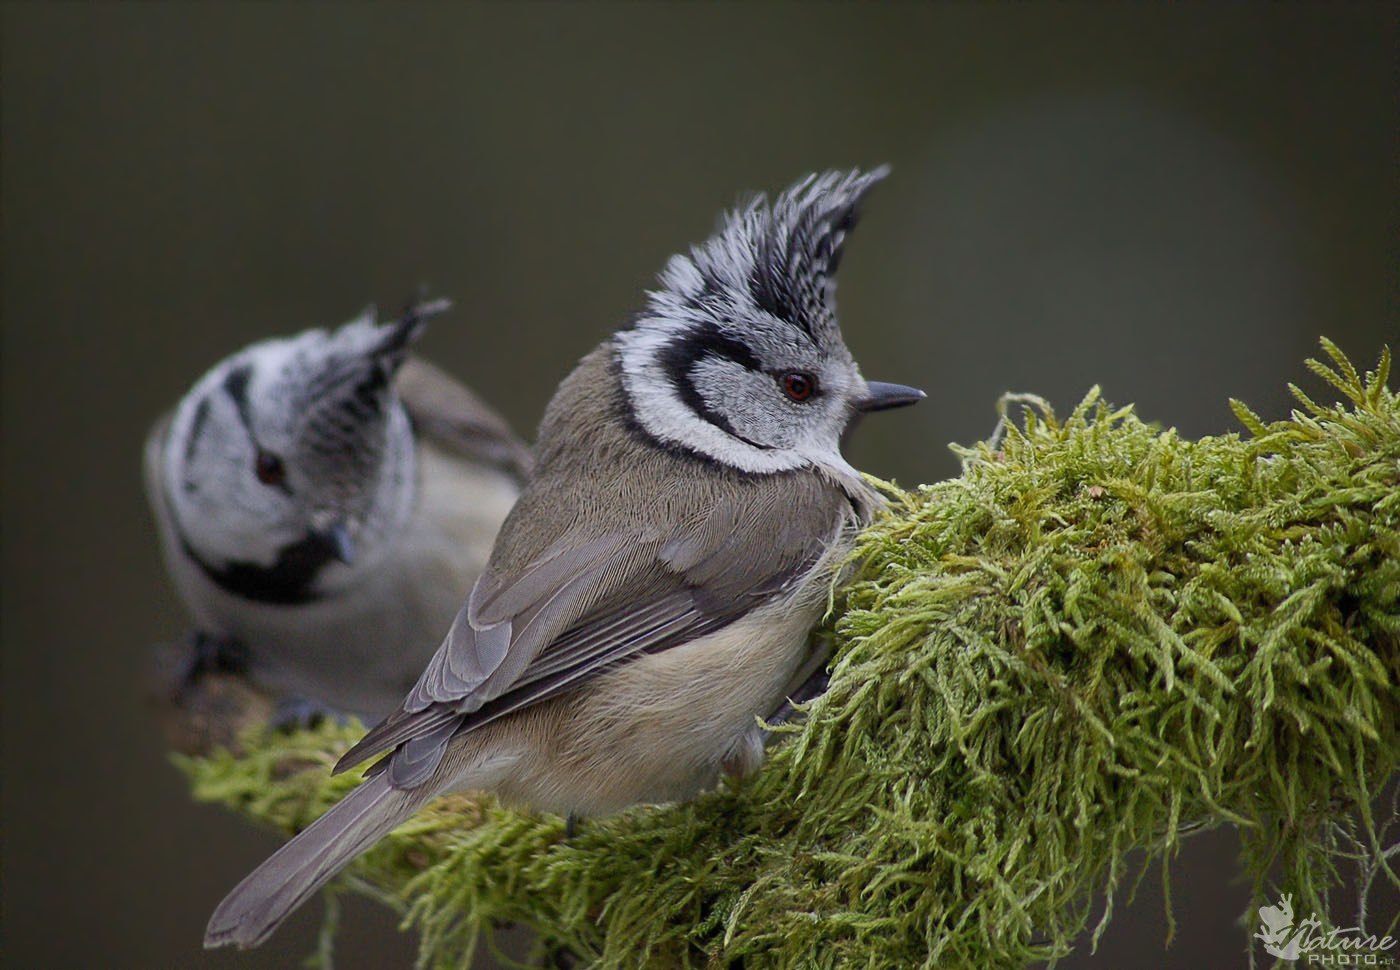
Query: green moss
x=1098 y=634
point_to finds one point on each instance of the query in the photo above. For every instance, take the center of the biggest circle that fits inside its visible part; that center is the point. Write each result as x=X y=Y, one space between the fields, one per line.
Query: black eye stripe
x=679 y=357
x=236 y=386
x=706 y=341
x=201 y=418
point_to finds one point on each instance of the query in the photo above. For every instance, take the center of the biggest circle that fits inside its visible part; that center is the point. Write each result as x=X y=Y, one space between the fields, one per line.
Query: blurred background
x=1173 y=202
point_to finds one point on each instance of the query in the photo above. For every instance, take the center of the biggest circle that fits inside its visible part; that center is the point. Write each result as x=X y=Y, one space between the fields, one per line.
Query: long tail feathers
x=274 y=890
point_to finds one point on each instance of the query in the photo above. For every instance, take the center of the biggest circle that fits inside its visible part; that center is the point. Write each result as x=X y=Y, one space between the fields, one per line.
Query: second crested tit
x=324 y=502
x=653 y=591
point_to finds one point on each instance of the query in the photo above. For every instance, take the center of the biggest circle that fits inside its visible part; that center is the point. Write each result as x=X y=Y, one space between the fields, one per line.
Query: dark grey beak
x=884 y=396
x=337 y=537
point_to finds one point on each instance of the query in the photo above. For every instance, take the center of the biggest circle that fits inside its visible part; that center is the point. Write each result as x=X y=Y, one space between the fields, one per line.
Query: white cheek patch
x=225 y=516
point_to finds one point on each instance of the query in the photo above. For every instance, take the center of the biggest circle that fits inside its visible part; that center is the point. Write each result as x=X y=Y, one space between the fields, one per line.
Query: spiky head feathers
x=738 y=357
x=780 y=257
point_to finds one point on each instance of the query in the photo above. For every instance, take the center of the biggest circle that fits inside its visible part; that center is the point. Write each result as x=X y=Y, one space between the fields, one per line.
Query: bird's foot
x=203 y=654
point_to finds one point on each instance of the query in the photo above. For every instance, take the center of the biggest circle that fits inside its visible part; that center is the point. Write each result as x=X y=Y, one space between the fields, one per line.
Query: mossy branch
x=1099 y=634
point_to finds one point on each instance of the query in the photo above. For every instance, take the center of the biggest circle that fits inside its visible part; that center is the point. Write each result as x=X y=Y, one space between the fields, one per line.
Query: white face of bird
x=739 y=356
x=292 y=447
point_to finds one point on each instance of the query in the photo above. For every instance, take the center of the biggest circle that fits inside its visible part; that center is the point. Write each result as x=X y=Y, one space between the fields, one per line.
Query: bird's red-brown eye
x=797 y=385
x=269 y=468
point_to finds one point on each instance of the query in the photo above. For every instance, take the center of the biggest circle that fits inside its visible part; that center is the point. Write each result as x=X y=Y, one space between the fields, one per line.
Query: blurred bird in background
x=324 y=502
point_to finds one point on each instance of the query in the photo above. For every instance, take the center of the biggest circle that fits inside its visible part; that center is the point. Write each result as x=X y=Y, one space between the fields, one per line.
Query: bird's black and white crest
x=738 y=356
x=341 y=408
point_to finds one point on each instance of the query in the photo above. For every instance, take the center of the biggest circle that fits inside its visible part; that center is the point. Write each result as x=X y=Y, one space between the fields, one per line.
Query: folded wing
x=582 y=606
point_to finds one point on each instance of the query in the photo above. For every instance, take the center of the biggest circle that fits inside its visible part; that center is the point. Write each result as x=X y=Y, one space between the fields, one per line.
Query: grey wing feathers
x=466 y=660
x=631 y=629
x=578 y=609
x=414 y=761
x=585 y=651
x=396 y=729
x=443 y=409
x=503 y=628
x=487 y=649
x=421 y=736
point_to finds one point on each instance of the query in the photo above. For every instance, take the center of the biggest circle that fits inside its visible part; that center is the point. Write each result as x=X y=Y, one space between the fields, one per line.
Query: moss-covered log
x=1097 y=635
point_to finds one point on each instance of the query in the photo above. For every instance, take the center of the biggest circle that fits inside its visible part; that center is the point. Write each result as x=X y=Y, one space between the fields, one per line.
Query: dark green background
x=1172 y=202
